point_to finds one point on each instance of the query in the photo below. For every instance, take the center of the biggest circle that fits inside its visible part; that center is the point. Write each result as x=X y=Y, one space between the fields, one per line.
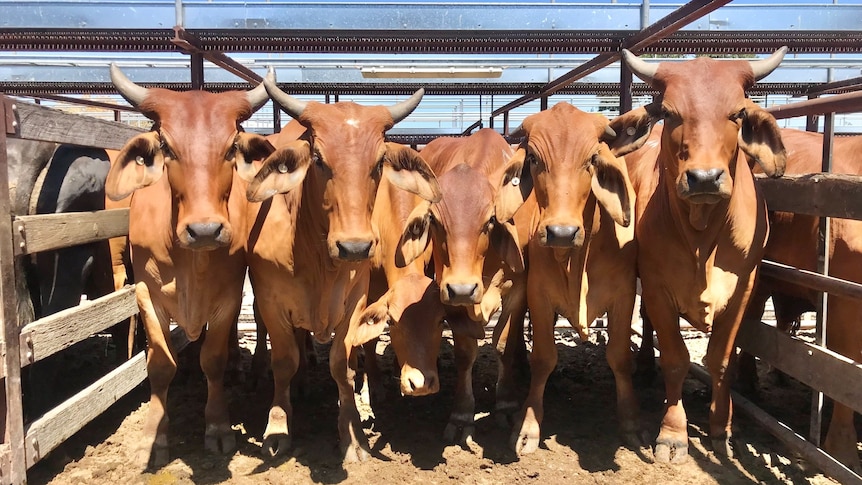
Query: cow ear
x=504 y=240
x=247 y=148
x=611 y=186
x=414 y=239
x=516 y=186
x=372 y=322
x=281 y=172
x=760 y=140
x=629 y=131
x=407 y=170
x=139 y=164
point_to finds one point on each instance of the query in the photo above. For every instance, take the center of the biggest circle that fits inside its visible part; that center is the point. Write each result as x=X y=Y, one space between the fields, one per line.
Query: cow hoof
x=671 y=452
x=459 y=433
x=526 y=440
x=356 y=454
x=275 y=444
x=220 y=441
x=721 y=446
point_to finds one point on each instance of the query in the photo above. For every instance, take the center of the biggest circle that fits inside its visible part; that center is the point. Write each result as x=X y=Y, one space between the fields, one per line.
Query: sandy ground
x=580 y=441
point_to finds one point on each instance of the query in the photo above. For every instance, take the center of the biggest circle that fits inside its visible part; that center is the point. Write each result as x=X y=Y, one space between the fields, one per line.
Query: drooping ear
x=139 y=164
x=372 y=322
x=415 y=238
x=281 y=172
x=249 y=147
x=504 y=240
x=631 y=130
x=516 y=186
x=760 y=140
x=611 y=186
x=407 y=170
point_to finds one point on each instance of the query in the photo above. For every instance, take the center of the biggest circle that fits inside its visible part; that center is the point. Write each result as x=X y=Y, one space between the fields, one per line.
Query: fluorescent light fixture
x=431 y=72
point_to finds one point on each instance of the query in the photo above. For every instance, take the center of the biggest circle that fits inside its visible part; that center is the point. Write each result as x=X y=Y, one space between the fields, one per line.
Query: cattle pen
x=24 y=343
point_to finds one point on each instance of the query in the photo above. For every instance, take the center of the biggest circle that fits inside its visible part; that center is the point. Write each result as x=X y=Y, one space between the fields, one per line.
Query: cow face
x=471 y=219
x=198 y=142
x=342 y=156
x=412 y=310
x=707 y=120
x=569 y=162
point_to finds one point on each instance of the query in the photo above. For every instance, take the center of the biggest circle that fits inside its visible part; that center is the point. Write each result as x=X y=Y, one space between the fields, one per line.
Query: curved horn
x=133 y=93
x=640 y=68
x=288 y=103
x=258 y=95
x=403 y=109
x=610 y=131
x=763 y=67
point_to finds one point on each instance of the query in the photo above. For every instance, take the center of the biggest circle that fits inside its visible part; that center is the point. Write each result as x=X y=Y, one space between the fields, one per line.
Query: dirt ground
x=580 y=441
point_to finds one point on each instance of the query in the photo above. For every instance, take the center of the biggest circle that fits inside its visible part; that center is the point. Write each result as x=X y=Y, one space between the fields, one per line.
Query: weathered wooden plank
x=44 y=232
x=819 y=194
x=60 y=423
x=810 y=279
x=61 y=330
x=822 y=460
x=36 y=122
x=817 y=367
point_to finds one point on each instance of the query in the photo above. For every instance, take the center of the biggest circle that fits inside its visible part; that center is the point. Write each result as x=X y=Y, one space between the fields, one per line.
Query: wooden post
x=14 y=419
x=822 y=268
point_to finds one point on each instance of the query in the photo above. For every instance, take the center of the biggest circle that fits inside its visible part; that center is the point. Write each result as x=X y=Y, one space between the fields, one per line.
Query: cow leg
x=460 y=427
x=352 y=439
x=376 y=389
x=619 y=356
x=645 y=360
x=672 y=441
x=161 y=368
x=260 y=359
x=299 y=386
x=746 y=364
x=508 y=340
x=214 y=359
x=718 y=352
x=543 y=359
x=285 y=361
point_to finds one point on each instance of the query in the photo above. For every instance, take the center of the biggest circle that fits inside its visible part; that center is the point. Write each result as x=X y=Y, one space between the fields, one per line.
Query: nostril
x=204 y=230
x=353 y=250
x=463 y=290
x=704 y=180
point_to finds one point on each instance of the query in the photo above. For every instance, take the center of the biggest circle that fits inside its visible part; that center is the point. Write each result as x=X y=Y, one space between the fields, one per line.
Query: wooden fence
x=24 y=343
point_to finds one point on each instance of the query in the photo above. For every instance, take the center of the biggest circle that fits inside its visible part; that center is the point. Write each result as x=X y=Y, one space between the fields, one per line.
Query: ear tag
x=139 y=160
x=516 y=181
x=282 y=168
x=630 y=131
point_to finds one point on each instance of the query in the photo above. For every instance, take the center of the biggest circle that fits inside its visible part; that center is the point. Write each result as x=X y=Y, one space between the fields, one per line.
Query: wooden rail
x=44 y=232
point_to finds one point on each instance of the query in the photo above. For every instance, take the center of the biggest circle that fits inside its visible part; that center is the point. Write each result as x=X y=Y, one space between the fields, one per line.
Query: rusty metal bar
x=811 y=279
x=506 y=123
x=82 y=102
x=14 y=419
x=840 y=103
x=852 y=84
x=197 y=71
x=625 y=88
x=636 y=42
x=190 y=44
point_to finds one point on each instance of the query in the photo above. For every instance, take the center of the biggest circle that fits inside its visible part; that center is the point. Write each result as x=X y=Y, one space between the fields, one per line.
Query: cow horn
x=258 y=95
x=133 y=93
x=288 y=103
x=640 y=68
x=610 y=131
x=763 y=67
x=403 y=109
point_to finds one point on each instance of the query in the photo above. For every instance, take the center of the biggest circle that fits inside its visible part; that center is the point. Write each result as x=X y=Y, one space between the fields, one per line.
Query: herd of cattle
x=344 y=235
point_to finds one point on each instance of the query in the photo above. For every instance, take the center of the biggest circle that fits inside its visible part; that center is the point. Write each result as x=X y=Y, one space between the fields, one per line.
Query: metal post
x=14 y=419
x=197 y=67
x=543 y=103
x=178 y=6
x=491 y=116
x=276 y=117
x=644 y=14
x=505 y=123
x=625 y=88
x=117 y=116
x=823 y=268
x=811 y=120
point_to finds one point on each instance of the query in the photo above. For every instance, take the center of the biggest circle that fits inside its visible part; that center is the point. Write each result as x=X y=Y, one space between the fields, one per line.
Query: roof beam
x=190 y=44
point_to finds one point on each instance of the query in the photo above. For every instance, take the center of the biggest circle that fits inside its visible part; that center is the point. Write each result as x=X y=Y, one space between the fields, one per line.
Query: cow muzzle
x=702 y=186
x=461 y=294
x=561 y=236
x=202 y=236
x=414 y=382
x=353 y=249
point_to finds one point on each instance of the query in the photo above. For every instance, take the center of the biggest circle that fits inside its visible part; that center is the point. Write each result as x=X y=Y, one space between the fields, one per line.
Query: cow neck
x=195 y=305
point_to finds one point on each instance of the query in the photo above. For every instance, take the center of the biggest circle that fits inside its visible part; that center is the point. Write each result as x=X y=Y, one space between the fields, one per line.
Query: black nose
x=462 y=293
x=353 y=250
x=203 y=233
x=704 y=181
x=561 y=236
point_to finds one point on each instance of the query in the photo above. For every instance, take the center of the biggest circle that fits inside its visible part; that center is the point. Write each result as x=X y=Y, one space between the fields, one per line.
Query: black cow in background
x=45 y=178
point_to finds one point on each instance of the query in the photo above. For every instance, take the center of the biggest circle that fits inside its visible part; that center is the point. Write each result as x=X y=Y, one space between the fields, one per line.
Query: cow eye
x=231 y=153
x=166 y=150
x=739 y=115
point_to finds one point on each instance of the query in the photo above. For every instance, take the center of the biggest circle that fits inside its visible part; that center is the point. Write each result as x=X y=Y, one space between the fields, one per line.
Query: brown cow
x=793 y=240
x=186 y=233
x=581 y=252
x=476 y=249
x=311 y=240
x=701 y=223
